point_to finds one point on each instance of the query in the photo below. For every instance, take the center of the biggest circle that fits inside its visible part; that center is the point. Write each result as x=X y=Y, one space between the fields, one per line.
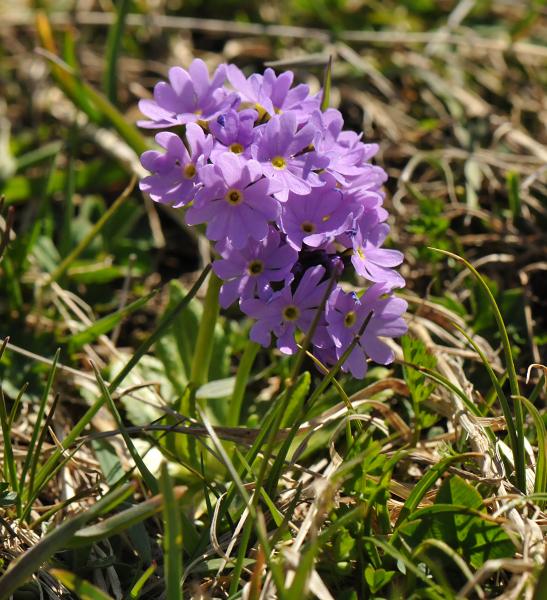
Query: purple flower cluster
x=291 y=201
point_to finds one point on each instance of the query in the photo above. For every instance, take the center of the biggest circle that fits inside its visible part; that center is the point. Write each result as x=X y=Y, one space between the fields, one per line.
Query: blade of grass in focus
x=518 y=449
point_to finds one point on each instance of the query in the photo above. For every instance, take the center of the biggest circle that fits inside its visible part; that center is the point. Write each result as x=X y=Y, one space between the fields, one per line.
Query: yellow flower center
x=234 y=197
x=291 y=313
x=236 y=148
x=325 y=218
x=255 y=267
x=307 y=227
x=349 y=319
x=262 y=112
x=279 y=162
x=360 y=253
x=189 y=171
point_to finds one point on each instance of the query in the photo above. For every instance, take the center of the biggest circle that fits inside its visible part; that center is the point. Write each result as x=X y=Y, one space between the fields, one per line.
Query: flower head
x=316 y=218
x=286 y=312
x=272 y=94
x=235 y=201
x=233 y=132
x=282 y=150
x=249 y=271
x=373 y=262
x=346 y=315
x=189 y=96
x=176 y=171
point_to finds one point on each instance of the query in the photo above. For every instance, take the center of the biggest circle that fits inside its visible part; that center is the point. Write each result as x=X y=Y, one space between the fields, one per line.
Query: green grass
x=149 y=449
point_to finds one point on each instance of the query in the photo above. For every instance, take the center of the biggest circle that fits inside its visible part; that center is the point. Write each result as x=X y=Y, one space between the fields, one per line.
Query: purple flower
x=249 y=271
x=280 y=150
x=342 y=162
x=316 y=218
x=273 y=94
x=233 y=132
x=286 y=194
x=375 y=263
x=235 y=201
x=188 y=97
x=284 y=312
x=345 y=315
x=176 y=171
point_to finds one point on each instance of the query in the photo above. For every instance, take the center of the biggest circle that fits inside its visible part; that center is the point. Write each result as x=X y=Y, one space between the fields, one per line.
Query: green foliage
x=415 y=353
x=430 y=224
x=455 y=518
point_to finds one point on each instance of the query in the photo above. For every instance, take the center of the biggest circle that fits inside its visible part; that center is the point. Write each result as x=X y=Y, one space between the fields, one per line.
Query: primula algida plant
x=291 y=202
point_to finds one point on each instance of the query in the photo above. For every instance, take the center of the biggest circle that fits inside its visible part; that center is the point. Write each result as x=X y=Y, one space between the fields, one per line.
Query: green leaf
x=121 y=521
x=377 y=578
x=108 y=461
x=422 y=487
x=415 y=352
x=512 y=180
x=81 y=587
x=106 y=324
x=473 y=537
x=344 y=545
x=296 y=400
x=327 y=82
x=220 y=388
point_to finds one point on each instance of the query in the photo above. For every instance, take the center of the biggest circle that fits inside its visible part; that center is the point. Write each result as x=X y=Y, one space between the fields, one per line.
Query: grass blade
x=510 y=366
x=540 y=485
x=147 y=476
x=107 y=323
x=422 y=487
x=113 y=45
x=31 y=454
x=30 y=562
x=122 y=521
x=327 y=82
x=242 y=377
x=506 y=409
x=136 y=589
x=172 y=540
x=204 y=344
x=9 y=467
x=81 y=587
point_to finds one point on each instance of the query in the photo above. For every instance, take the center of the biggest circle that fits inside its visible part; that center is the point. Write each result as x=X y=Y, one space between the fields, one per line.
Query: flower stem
x=204 y=343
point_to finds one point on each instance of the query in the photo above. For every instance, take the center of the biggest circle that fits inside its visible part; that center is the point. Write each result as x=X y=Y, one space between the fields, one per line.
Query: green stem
x=242 y=378
x=204 y=343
